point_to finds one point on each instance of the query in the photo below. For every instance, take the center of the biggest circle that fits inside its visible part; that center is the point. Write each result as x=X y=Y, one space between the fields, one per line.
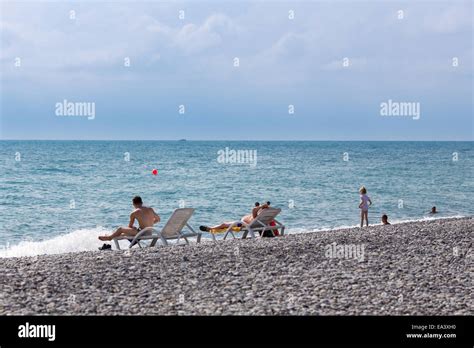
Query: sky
x=332 y=63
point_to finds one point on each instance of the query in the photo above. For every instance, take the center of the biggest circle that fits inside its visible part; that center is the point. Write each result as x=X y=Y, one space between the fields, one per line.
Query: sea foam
x=79 y=240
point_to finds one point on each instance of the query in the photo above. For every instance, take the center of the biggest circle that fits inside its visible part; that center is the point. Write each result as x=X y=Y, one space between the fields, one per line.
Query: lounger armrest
x=144 y=232
x=230 y=228
x=192 y=229
x=278 y=222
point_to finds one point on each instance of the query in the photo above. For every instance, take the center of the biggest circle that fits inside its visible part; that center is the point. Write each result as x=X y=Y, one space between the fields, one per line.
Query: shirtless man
x=247 y=218
x=145 y=216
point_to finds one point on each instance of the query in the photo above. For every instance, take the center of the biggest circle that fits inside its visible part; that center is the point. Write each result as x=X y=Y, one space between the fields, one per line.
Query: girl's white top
x=365 y=202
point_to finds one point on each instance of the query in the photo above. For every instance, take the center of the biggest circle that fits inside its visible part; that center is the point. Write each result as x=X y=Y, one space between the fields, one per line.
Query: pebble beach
x=413 y=268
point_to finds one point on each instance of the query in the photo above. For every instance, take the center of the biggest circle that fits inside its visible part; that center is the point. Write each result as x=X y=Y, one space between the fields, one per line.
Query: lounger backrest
x=265 y=217
x=176 y=222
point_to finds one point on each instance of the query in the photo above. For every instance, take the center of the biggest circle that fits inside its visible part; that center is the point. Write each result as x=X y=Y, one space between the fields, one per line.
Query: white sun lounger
x=173 y=229
x=260 y=223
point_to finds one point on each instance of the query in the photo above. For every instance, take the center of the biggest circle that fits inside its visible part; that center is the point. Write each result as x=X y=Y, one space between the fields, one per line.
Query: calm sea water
x=57 y=196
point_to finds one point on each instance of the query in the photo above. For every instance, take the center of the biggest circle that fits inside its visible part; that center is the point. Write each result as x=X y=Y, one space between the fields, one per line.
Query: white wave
x=430 y=218
x=297 y=230
x=393 y=222
x=79 y=240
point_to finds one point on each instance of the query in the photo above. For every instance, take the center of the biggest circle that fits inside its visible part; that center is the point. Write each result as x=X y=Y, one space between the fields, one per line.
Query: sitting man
x=145 y=216
x=247 y=218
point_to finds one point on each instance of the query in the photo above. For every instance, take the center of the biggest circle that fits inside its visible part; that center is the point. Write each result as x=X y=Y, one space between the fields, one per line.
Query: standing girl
x=365 y=202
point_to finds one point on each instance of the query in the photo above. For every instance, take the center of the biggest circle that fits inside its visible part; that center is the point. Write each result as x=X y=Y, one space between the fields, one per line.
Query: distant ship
x=182 y=140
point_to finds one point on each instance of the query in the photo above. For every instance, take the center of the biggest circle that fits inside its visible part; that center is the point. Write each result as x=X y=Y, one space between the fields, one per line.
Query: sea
x=58 y=196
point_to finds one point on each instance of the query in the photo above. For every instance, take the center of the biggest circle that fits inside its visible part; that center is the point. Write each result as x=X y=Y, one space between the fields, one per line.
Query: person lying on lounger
x=247 y=218
x=145 y=216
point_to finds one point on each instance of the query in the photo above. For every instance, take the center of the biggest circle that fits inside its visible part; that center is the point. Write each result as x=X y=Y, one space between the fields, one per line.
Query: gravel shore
x=415 y=268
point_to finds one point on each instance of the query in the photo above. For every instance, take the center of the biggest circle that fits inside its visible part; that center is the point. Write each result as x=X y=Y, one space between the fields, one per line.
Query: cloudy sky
x=49 y=54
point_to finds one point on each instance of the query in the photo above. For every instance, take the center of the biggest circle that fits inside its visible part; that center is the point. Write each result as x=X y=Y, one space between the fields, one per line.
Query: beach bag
x=270 y=233
x=275 y=232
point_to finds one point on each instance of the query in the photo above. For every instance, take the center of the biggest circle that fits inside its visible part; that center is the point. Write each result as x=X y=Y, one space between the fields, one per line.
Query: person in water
x=364 y=204
x=433 y=210
x=385 y=220
x=246 y=218
x=145 y=216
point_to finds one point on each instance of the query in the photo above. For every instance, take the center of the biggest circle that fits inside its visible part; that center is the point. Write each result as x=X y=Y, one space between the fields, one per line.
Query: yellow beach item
x=221 y=230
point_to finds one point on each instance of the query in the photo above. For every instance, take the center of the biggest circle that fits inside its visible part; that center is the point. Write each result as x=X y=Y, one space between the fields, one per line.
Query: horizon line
x=243 y=140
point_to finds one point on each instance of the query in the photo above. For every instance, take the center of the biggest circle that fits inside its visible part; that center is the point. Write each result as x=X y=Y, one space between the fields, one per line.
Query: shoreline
x=395 y=222
x=411 y=268
x=14 y=248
